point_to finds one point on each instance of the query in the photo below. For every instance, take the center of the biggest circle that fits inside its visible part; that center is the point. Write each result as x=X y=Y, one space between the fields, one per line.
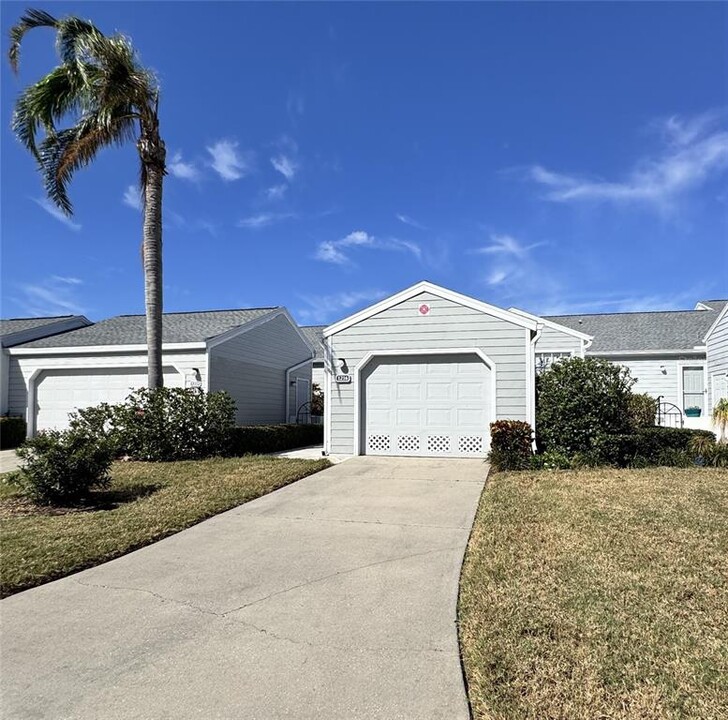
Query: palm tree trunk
x=152 y=152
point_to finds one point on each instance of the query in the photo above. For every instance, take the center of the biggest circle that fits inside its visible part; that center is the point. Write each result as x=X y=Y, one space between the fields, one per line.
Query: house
x=425 y=371
x=315 y=336
x=258 y=355
x=15 y=331
x=665 y=352
x=716 y=344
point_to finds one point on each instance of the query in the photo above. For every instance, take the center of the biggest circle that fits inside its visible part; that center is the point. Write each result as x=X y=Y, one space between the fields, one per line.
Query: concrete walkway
x=334 y=597
x=9 y=460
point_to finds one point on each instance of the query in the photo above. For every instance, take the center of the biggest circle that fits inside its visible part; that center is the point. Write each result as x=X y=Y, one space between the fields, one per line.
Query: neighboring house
x=665 y=351
x=16 y=331
x=716 y=342
x=315 y=336
x=258 y=355
x=425 y=371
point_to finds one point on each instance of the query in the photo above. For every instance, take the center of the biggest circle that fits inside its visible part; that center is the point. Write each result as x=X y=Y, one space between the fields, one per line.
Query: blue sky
x=557 y=157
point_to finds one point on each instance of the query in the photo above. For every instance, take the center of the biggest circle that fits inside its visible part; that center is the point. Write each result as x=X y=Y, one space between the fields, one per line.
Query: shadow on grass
x=112 y=499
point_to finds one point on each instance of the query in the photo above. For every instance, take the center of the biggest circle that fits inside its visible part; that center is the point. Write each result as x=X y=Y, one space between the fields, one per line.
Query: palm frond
x=45 y=103
x=32 y=19
x=62 y=154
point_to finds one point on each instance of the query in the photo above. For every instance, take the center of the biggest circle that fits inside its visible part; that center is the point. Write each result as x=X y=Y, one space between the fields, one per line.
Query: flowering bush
x=163 y=424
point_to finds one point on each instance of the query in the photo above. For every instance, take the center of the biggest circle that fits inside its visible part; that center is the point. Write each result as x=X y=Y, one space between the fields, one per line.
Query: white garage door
x=58 y=392
x=427 y=406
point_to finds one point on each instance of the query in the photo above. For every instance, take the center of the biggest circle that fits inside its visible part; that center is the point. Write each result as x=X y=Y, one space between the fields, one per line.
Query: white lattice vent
x=438 y=444
x=378 y=443
x=471 y=444
x=408 y=443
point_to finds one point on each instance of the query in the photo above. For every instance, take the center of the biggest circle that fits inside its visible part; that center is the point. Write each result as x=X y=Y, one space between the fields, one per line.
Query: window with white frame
x=544 y=360
x=693 y=387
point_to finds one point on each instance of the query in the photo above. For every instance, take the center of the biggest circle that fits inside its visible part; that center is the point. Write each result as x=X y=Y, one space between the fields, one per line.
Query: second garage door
x=429 y=406
x=58 y=392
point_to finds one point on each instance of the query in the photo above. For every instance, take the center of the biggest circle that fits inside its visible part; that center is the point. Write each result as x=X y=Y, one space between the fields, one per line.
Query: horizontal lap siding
x=448 y=325
x=650 y=378
x=22 y=368
x=717 y=352
x=552 y=340
x=252 y=368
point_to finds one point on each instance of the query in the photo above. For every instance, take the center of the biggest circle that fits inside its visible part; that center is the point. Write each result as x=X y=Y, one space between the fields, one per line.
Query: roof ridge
x=62 y=317
x=631 y=312
x=198 y=312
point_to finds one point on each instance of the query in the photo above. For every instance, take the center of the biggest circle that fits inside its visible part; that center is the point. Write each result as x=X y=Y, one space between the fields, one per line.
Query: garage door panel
x=426 y=406
x=59 y=392
x=407 y=390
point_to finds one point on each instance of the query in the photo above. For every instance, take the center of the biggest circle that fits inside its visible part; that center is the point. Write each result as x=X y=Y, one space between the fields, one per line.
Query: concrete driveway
x=332 y=598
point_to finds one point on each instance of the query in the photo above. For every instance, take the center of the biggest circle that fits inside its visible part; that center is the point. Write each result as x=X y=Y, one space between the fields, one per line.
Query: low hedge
x=256 y=439
x=510 y=445
x=650 y=446
x=13 y=432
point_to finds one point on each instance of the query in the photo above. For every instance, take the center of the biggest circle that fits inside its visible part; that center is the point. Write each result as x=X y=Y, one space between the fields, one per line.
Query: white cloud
x=505 y=245
x=183 y=170
x=56 y=295
x=276 y=192
x=694 y=152
x=56 y=213
x=334 y=251
x=324 y=308
x=407 y=220
x=511 y=267
x=263 y=220
x=227 y=161
x=285 y=165
x=132 y=198
x=618 y=302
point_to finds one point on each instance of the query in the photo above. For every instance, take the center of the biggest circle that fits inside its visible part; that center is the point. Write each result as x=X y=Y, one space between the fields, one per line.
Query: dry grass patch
x=146 y=502
x=598 y=594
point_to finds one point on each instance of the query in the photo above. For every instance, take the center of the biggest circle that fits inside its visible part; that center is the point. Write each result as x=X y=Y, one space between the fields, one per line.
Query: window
x=693 y=387
x=545 y=360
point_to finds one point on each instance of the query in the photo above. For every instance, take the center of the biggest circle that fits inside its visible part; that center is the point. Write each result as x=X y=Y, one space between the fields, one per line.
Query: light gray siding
x=555 y=341
x=448 y=325
x=717 y=355
x=252 y=368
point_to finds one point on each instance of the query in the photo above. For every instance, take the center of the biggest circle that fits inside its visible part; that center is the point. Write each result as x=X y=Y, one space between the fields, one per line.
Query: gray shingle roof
x=14 y=325
x=714 y=304
x=15 y=331
x=315 y=335
x=642 y=331
x=176 y=328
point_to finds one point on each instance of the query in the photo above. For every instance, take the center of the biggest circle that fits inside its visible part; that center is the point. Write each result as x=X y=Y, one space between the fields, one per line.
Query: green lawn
x=598 y=594
x=146 y=502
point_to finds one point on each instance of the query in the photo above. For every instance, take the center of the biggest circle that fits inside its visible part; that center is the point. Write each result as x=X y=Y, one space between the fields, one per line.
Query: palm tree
x=112 y=99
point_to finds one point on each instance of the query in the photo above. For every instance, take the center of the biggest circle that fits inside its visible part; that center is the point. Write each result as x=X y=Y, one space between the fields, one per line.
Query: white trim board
x=721 y=315
x=437 y=291
x=396 y=353
x=102 y=349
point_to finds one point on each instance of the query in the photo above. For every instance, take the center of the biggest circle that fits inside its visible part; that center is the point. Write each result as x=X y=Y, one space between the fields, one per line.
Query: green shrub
x=642 y=410
x=677 y=447
x=255 y=439
x=579 y=399
x=163 y=424
x=317 y=400
x=60 y=467
x=13 y=432
x=510 y=445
